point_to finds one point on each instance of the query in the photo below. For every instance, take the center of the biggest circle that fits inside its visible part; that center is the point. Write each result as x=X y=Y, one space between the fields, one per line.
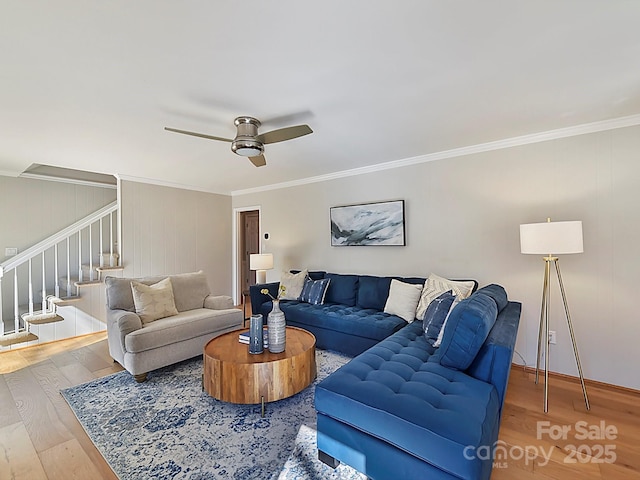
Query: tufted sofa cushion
x=358 y=321
x=393 y=392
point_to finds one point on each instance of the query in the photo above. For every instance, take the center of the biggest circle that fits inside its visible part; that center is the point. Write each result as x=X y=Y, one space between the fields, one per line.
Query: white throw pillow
x=403 y=300
x=293 y=283
x=435 y=286
x=153 y=301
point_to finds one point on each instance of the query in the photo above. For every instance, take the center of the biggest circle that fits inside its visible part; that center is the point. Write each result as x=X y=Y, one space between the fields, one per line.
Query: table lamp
x=261 y=262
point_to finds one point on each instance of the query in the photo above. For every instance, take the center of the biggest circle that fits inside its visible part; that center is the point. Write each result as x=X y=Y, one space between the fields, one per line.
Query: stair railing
x=107 y=214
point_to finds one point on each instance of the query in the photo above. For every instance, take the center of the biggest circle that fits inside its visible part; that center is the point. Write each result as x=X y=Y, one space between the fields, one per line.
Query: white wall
x=462 y=220
x=168 y=230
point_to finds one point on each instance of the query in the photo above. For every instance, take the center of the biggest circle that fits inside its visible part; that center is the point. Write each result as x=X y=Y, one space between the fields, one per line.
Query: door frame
x=236 y=248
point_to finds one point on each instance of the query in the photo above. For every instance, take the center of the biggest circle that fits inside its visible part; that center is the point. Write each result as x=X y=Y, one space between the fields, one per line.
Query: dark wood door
x=250 y=241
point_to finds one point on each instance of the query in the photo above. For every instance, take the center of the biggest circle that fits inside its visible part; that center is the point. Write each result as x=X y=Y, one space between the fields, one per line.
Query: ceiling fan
x=248 y=143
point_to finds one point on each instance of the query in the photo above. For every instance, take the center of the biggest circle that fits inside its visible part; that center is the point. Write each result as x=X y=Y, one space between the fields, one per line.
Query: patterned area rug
x=303 y=463
x=169 y=428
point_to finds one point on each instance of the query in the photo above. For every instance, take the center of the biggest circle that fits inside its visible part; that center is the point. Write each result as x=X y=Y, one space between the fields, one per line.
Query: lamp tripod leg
x=546 y=343
x=573 y=339
x=541 y=327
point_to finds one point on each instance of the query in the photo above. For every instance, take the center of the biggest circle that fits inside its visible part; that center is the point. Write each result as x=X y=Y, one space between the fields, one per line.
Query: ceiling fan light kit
x=245 y=143
x=248 y=143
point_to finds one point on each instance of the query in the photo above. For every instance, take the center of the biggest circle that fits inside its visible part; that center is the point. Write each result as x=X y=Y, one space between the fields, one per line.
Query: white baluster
x=80 y=256
x=1 y=316
x=30 y=291
x=55 y=270
x=16 y=310
x=68 y=270
x=44 y=286
x=111 y=240
x=90 y=255
x=101 y=245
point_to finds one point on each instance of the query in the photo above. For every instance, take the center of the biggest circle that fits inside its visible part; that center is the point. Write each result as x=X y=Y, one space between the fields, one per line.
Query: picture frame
x=368 y=224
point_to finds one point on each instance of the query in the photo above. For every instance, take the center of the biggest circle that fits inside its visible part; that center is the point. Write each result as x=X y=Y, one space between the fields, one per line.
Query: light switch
x=10 y=252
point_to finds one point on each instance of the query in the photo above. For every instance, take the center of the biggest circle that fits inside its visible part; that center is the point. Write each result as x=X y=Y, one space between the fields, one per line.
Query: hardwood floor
x=40 y=437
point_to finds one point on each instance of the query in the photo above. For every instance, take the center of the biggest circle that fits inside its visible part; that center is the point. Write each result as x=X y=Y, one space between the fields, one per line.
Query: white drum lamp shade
x=551 y=238
x=261 y=262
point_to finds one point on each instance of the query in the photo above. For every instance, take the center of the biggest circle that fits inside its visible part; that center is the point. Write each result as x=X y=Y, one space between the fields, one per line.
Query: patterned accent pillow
x=436 y=314
x=153 y=301
x=313 y=291
x=403 y=300
x=436 y=285
x=293 y=283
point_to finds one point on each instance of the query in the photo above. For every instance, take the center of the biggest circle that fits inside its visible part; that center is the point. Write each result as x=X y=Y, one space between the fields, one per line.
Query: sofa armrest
x=257 y=298
x=121 y=323
x=218 y=302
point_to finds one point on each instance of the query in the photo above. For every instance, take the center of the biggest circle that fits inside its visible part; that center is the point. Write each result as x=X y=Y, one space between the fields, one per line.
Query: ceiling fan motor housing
x=245 y=143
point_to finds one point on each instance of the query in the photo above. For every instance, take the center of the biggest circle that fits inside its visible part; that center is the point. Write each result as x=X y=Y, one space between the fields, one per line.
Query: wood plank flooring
x=40 y=437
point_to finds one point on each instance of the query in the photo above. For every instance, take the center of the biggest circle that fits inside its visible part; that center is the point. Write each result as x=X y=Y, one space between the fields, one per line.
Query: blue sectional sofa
x=352 y=317
x=404 y=409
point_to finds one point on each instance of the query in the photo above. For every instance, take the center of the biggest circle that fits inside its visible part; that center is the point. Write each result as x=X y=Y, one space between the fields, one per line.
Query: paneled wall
x=168 y=230
x=31 y=210
x=462 y=220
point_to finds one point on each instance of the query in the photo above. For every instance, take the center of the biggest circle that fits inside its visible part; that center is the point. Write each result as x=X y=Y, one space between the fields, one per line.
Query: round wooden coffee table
x=234 y=375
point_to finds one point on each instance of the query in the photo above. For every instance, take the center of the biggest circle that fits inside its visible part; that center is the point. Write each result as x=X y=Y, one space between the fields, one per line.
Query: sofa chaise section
x=397 y=410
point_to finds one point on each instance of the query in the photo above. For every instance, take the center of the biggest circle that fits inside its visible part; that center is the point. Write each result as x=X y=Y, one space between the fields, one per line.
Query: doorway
x=248 y=243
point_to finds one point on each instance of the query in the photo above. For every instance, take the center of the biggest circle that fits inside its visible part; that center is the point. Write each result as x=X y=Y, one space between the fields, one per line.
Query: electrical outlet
x=552 y=337
x=10 y=252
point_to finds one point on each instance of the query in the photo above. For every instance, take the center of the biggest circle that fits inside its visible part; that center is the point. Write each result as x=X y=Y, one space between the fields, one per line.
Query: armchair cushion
x=190 y=290
x=218 y=302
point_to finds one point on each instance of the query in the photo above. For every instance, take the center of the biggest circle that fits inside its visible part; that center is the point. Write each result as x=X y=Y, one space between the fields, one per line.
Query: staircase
x=54 y=289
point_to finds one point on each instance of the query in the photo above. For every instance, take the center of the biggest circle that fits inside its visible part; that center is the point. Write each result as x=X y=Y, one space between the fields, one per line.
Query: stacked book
x=244 y=338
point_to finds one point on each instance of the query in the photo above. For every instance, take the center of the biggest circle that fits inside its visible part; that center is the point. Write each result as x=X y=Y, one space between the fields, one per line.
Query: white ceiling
x=90 y=84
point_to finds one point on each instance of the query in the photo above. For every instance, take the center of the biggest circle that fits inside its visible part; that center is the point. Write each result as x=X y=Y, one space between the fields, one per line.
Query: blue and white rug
x=169 y=428
x=303 y=463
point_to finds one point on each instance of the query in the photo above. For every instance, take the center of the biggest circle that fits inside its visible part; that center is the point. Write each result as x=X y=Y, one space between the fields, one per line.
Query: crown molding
x=594 y=127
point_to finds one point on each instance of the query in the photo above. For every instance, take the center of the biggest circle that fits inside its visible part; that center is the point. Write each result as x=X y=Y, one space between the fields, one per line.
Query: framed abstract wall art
x=380 y=223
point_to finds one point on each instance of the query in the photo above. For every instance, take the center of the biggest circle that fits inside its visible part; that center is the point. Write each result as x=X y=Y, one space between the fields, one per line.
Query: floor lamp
x=550 y=239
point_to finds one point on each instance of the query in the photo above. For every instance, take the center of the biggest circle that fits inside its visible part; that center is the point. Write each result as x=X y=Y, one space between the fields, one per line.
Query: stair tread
x=20 y=337
x=87 y=283
x=106 y=269
x=63 y=300
x=39 y=318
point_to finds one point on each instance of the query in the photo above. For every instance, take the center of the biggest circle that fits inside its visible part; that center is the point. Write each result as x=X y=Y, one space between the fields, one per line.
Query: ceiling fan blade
x=201 y=135
x=283 y=134
x=258 y=161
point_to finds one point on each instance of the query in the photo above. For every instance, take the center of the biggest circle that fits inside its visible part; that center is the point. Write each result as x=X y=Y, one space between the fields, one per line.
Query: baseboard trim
x=576 y=380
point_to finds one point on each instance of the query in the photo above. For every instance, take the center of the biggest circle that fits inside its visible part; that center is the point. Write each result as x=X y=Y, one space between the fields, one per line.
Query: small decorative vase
x=255 y=335
x=276 y=328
